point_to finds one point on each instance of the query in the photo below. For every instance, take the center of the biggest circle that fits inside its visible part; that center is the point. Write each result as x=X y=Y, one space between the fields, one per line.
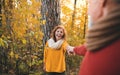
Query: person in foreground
x=54 y=52
x=102 y=48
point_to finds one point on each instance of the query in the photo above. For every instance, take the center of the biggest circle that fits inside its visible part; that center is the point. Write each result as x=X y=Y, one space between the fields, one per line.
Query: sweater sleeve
x=65 y=46
x=80 y=50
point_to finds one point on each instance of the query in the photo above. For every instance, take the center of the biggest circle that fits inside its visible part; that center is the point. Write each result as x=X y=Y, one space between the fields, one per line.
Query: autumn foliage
x=21 y=47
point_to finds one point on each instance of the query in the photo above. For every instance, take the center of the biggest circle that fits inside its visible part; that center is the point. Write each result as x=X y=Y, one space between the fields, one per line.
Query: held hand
x=70 y=50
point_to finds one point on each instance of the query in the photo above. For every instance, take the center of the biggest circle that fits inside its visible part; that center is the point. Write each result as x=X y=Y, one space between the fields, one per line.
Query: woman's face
x=59 y=34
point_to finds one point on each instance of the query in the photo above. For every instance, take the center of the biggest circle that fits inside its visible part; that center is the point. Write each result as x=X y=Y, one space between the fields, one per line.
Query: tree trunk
x=85 y=26
x=86 y=21
x=1 y=2
x=73 y=15
x=6 y=6
x=51 y=15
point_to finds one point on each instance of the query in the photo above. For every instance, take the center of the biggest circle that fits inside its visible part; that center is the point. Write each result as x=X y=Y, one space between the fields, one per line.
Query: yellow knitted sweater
x=54 y=60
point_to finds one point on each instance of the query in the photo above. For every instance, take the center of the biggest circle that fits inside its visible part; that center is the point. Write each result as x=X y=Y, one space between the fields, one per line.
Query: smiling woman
x=55 y=48
x=58 y=33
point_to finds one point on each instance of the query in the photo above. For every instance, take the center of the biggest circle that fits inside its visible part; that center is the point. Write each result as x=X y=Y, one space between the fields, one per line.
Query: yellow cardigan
x=54 y=60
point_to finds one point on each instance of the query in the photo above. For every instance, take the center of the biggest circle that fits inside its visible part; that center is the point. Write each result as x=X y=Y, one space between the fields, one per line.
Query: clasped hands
x=70 y=50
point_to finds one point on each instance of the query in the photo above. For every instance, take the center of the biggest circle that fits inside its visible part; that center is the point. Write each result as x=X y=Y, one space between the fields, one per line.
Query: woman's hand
x=70 y=50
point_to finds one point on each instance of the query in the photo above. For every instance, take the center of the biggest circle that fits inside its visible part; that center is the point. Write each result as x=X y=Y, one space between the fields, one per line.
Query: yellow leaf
x=1 y=42
x=24 y=41
x=43 y=22
x=16 y=56
x=34 y=57
x=11 y=54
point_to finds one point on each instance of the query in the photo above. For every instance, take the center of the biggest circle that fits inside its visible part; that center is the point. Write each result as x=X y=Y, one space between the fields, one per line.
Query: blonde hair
x=54 y=30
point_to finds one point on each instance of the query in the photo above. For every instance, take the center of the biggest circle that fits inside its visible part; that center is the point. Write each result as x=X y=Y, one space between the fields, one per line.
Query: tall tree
x=73 y=15
x=0 y=12
x=6 y=6
x=51 y=15
x=1 y=2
